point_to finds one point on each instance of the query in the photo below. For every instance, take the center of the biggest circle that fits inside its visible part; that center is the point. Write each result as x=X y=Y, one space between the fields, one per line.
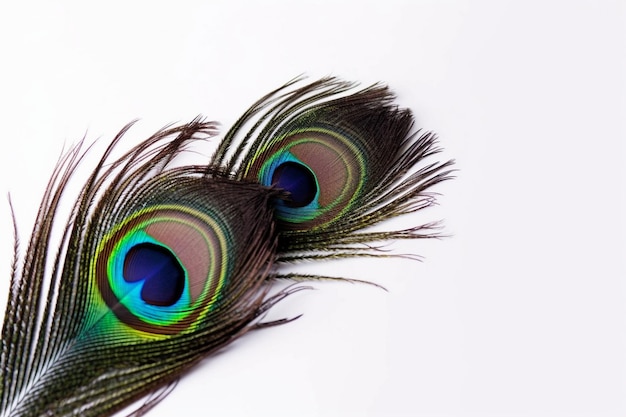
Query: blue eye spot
x=298 y=180
x=163 y=276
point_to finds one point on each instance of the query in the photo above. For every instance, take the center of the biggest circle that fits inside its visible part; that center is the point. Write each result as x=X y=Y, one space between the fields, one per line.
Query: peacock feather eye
x=321 y=169
x=161 y=270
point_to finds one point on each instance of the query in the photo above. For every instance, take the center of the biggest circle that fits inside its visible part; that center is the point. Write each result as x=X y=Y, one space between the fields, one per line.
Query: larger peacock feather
x=346 y=158
x=158 y=268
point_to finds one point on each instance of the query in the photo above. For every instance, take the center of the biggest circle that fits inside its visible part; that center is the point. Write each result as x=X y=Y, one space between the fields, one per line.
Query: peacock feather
x=159 y=267
x=162 y=264
x=347 y=158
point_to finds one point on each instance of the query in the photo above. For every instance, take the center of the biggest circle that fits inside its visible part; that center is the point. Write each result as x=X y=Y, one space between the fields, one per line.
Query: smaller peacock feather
x=346 y=159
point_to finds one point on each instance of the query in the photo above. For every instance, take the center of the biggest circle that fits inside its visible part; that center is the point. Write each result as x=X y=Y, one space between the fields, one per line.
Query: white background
x=521 y=312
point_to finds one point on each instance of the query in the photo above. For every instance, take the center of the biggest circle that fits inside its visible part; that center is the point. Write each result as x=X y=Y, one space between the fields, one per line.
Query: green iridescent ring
x=196 y=241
